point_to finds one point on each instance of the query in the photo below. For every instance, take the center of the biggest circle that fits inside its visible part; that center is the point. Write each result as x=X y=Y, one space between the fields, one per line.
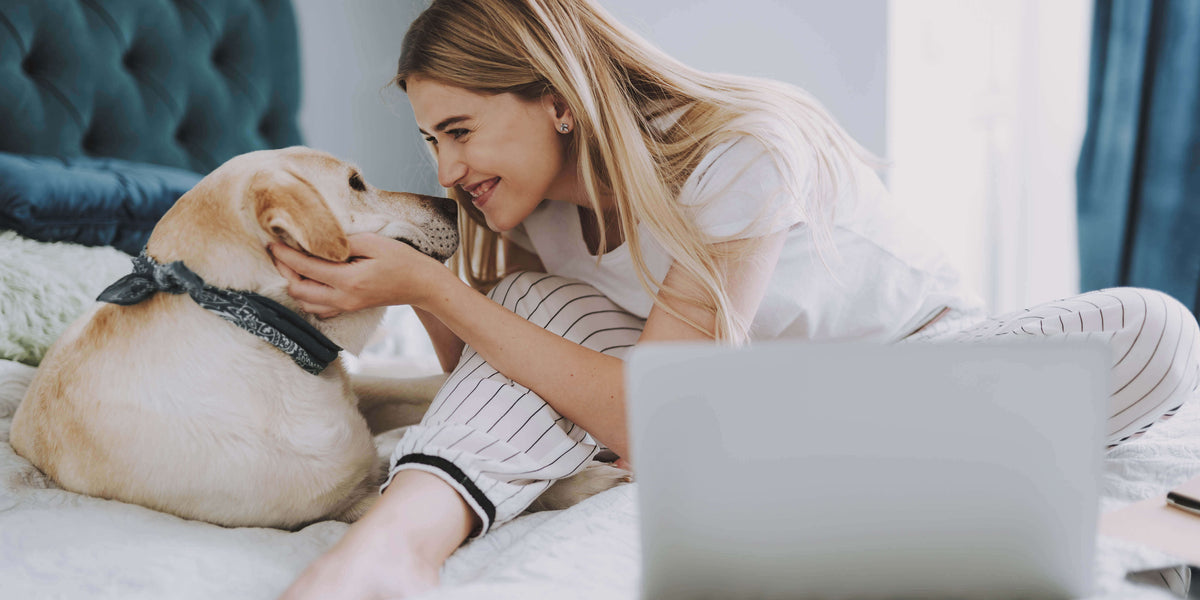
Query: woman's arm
x=583 y=385
x=446 y=344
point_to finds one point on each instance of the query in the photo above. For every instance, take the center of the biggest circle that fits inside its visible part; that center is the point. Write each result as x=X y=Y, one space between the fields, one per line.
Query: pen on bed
x=1183 y=502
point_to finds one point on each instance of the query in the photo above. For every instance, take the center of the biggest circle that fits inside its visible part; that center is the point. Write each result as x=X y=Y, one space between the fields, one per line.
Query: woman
x=611 y=196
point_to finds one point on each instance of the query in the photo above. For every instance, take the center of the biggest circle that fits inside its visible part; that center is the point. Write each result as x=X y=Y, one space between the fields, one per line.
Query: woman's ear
x=559 y=112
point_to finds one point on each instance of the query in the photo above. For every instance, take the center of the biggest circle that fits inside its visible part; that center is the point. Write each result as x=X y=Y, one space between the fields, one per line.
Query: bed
x=113 y=108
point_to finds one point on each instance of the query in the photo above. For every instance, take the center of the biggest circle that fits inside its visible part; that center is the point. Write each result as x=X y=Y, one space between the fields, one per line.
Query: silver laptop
x=797 y=470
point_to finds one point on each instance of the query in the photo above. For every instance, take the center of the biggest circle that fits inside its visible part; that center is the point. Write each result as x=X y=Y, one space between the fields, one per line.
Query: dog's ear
x=290 y=210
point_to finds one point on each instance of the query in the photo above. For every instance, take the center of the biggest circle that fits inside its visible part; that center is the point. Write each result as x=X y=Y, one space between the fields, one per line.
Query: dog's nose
x=447 y=207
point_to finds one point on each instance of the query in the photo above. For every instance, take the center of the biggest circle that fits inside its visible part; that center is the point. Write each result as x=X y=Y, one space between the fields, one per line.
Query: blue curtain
x=1138 y=177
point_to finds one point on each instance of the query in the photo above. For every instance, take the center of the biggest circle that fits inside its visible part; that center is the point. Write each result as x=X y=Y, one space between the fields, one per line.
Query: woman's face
x=504 y=151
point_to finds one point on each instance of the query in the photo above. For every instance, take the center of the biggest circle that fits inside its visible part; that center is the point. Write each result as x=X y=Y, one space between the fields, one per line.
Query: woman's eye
x=457 y=134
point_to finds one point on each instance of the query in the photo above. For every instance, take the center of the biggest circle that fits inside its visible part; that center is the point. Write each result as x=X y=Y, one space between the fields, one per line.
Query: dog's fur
x=167 y=405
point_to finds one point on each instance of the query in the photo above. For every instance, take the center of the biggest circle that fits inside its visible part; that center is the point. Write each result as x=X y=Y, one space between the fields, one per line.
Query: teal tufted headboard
x=183 y=83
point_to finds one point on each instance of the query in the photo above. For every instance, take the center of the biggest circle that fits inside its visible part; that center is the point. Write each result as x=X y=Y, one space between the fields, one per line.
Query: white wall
x=349 y=52
x=835 y=50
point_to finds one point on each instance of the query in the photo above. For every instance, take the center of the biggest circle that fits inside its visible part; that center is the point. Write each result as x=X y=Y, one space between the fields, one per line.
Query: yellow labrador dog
x=194 y=390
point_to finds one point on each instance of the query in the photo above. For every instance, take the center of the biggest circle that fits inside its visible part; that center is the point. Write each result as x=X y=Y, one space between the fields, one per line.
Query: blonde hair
x=616 y=84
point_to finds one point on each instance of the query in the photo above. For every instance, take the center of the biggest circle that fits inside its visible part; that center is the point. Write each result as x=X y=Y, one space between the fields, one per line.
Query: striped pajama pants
x=501 y=446
x=1154 y=339
x=495 y=441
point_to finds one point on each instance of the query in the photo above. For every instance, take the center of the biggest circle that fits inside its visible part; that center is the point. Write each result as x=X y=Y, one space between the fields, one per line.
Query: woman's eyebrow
x=445 y=123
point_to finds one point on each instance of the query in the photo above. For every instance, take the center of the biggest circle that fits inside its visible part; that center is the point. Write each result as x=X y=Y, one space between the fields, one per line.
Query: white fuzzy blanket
x=56 y=544
x=44 y=286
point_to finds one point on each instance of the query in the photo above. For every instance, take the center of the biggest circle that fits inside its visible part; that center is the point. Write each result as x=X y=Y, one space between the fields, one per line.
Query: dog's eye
x=356 y=182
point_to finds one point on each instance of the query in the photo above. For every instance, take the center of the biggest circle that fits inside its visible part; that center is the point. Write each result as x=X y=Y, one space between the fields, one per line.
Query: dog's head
x=301 y=197
x=306 y=199
x=312 y=201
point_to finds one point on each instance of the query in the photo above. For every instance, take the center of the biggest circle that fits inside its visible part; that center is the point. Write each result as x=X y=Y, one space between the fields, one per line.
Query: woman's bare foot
x=397 y=549
x=365 y=565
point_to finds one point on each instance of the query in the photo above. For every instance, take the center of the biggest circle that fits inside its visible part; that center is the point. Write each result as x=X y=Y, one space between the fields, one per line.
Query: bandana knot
x=148 y=278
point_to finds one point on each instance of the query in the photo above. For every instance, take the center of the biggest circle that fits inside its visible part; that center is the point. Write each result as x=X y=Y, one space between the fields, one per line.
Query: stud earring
x=564 y=128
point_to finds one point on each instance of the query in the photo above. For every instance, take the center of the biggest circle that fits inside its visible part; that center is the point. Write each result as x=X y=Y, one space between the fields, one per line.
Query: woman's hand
x=380 y=272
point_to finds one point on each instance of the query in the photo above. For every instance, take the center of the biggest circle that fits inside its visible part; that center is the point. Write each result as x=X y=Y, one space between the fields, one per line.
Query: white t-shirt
x=885 y=281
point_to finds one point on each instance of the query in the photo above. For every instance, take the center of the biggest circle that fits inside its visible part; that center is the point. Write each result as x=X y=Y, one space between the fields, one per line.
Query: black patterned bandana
x=261 y=316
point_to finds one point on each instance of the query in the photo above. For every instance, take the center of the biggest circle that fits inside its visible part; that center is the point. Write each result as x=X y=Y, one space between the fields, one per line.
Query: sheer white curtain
x=986 y=112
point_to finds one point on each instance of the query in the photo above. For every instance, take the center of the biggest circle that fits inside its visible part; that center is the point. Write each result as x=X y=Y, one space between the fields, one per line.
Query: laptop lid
x=792 y=469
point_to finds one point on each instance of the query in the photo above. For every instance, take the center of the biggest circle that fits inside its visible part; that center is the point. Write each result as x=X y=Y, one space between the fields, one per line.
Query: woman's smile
x=481 y=192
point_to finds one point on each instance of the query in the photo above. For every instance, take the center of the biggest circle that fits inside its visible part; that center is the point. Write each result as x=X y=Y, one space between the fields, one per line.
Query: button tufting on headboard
x=185 y=83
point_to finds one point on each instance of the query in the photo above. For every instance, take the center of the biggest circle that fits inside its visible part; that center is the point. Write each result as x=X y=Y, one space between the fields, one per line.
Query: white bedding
x=56 y=544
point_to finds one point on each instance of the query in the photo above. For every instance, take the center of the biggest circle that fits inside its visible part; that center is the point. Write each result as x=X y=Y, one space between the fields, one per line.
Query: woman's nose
x=451 y=169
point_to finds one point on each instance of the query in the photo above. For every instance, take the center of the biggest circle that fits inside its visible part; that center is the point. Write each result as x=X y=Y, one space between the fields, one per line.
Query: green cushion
x=183 y=83
x=90 y=201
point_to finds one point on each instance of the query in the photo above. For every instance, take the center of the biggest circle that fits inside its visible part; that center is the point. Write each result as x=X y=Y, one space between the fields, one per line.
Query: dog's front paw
x=593 y=479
